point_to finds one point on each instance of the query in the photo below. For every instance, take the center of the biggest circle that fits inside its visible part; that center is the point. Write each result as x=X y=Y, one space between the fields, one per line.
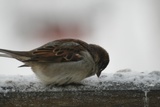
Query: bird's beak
x=98 y=74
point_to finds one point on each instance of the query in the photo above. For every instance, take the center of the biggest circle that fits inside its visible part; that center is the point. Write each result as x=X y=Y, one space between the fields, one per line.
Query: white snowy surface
x=121 y=80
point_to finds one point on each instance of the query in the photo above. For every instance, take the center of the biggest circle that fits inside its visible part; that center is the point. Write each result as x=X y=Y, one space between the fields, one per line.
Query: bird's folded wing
x=57 y=53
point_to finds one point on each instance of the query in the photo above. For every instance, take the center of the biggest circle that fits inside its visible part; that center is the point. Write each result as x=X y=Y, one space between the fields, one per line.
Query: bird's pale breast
x=67 y=72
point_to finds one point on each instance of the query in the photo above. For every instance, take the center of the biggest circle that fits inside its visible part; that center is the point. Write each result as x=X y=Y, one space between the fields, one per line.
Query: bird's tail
x=19 y=55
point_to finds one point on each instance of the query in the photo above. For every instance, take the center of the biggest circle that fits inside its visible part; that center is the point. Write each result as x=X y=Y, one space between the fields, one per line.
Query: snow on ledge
x=121 y=80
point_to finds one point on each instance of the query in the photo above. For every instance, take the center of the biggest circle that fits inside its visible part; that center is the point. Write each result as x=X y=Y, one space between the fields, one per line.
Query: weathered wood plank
x=132 y=98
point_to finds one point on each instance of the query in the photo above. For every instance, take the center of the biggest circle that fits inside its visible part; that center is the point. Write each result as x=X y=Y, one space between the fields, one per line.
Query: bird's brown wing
x=58 y=52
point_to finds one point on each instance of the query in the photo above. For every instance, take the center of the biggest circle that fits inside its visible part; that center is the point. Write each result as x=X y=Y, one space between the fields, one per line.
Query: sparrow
x=63 y=61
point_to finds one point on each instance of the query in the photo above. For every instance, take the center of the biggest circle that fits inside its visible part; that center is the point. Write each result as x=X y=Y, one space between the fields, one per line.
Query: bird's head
x=100 y=56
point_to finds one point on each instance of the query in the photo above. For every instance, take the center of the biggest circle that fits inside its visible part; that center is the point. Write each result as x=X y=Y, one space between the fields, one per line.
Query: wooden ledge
x=119 y=90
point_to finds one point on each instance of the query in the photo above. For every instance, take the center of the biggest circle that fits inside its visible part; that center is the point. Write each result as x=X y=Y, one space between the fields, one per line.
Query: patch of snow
x=125 y=79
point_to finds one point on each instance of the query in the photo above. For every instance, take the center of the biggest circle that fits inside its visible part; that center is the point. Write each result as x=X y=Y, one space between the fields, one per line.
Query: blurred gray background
x=128 y=29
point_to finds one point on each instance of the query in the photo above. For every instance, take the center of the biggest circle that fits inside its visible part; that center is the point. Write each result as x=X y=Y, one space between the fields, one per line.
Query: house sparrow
x=63 y=61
